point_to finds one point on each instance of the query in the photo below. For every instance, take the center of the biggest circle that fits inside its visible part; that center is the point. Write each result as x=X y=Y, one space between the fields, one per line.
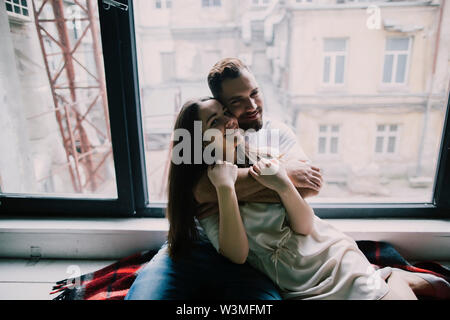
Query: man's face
x=243 y=98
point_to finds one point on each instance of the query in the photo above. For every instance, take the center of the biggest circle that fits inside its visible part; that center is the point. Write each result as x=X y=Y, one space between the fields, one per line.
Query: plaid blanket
x=114 y=281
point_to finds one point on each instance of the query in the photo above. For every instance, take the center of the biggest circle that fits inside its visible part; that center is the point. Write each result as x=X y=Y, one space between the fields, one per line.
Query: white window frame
x=396 y=53
x=328 y=135
x=332 y=72
x=19 y=17
x=261 y=3
x=211 y=4
x=163 y=4
x=386 y=134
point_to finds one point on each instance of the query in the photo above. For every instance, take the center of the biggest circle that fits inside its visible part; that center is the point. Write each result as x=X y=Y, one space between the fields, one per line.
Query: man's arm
x=249 y=190
x=306 y=178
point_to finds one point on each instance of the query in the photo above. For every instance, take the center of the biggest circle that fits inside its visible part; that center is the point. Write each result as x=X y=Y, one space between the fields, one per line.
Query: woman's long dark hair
x=181 y=208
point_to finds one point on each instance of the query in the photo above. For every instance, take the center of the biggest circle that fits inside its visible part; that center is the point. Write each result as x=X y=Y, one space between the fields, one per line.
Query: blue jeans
x=204 y=274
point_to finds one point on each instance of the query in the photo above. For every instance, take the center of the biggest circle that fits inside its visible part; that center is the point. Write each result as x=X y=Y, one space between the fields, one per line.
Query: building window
x=167 y=66
x=211 y=3
x=17 y=7
x=396 y=60
x=328 y=139
x=261 y=3
x=334 y=51
x=386 y=139
x=163 y=4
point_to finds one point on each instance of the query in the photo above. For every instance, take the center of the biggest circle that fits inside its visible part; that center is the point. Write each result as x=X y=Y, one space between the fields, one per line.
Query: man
x=205 y=273
x=232 y=83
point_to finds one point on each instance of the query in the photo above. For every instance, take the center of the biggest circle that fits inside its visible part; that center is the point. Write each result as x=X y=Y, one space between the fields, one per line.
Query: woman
x=305 y=256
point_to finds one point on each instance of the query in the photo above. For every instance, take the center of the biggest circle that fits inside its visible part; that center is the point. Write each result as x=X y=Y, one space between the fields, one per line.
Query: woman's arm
x=245 y=186
x=274 y=176
x=299 y=211
x=250 y=190
x=233 y=242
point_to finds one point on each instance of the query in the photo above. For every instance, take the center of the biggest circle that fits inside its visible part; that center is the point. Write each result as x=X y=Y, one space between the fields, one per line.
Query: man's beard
x=255 y=125
x=252 y=124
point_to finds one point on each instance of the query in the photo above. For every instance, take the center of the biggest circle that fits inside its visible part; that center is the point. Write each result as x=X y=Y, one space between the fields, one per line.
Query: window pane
x=401 y=68
x=322 y=144
x=334 y=145
x=379 y=145
x=333 y=45
x=291 y=61
x=339 y=75
x=168 y=66
x=55 y=137
x=388 y=65
x=397 y=44
x=391 y=145
x=326 y=70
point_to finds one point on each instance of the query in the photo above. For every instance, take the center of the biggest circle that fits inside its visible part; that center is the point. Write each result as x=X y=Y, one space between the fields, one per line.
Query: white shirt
x=277 y=137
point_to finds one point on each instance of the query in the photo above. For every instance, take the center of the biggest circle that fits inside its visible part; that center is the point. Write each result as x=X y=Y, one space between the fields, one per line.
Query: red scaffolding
x=55 y=24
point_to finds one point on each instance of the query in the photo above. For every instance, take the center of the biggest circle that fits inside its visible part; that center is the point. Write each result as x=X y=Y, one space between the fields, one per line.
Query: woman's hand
x=271 y=174
x=223 y=174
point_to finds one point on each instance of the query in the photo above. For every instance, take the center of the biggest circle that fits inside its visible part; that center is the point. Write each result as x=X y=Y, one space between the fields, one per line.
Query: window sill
x=415 y=239
x=393 y=87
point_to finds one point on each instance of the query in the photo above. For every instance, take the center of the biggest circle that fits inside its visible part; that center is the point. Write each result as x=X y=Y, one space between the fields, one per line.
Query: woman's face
x=214 y=116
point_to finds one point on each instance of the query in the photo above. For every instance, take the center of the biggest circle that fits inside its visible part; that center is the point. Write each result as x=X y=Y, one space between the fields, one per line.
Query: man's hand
x=304 y=175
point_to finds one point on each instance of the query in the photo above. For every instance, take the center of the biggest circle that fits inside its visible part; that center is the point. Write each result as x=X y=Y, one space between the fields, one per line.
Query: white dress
x=327 y=264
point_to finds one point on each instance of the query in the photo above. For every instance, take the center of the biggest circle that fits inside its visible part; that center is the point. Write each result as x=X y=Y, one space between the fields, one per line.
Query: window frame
x=29 y=205
x=396 y=53
x=328 y=134
x=121 y=72
x=163 y=4
x=19 y=17
x=332 y=55
x=211 y=4
x=386 y=134
x=261 y=3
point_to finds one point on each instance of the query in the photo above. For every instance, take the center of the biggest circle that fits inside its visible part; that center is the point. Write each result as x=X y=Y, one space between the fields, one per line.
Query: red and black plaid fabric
x=110 y=283
x=114 y=281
